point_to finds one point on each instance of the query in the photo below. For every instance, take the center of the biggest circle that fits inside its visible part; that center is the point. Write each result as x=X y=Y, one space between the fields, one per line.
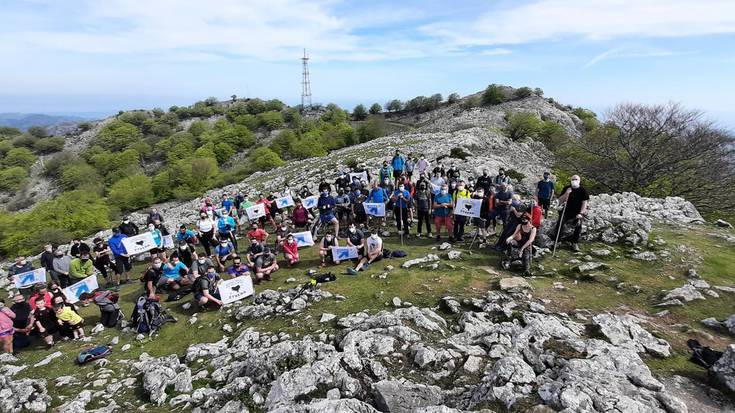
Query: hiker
x=150 y=278
x=401 y=199
x=409 y=166
x=153 y=216
x=6 y=327
x=442 y=207
x=128 y=228
x=501 y=178
x=522 y=239
x=205 y=229
x=107 y=302
x=377 y=195
x=397 y=163
x=222 y=252
x=356 y=238
x=61 y=265
x=385 y=173
x=81 y=267
x=205 y=288
x=268 y=211
x=480 y=222
x=101 y=259
x=209 y=209
x=374 y=253
x=423 y=208
x=186 y=235
x=270 y=264
x=77 y=247
x=545 y=192
x=300 y=215
x=342 y=202
x=326 y=204
x=258 y=233
x=325 y=249
x=227 y=203
x=174 y=274
x=201 y=265
x=40 y=291
x=281 y=235
x=459 y=220
x=256 y=257
x=225 y=227
x=122 y=260
x=422 y=165
x=513 y=219
x=503 y=198
x=290 y=250
x=23 y=321
x=360 y=217
x=69 y=319
x=45 y=322
x=184 y=253
x=237 y=269
x=453 y=174
x=21 y=265
x=158 y=240
x=573 y=200
x=484 y=180
x=47 y=259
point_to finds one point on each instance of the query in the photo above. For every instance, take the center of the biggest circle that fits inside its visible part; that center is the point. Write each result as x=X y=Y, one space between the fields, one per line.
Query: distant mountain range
x=23 y=121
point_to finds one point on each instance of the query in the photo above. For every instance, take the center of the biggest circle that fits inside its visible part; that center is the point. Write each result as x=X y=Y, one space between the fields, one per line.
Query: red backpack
x=537 y=216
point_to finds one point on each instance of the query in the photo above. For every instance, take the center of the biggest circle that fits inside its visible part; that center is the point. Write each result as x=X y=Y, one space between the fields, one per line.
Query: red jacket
x=292 y=249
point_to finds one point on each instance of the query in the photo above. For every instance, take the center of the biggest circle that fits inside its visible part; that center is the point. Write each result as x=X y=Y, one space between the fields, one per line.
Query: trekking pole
x=561 y=224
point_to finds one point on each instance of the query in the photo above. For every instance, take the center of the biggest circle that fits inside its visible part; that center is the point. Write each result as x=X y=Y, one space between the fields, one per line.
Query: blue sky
x=79 y=56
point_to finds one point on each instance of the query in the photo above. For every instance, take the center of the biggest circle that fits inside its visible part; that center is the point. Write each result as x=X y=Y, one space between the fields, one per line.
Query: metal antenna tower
x=305 y=84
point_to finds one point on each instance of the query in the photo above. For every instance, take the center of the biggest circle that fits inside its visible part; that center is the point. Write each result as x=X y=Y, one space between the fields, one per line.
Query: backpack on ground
x=399 y=254
x=94 y=353
x=701 y=355
x=387 y=253
x=148 y=316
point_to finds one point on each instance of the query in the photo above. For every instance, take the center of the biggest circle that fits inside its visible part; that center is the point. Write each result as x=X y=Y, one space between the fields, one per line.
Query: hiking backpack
x=148 y=316
x=93 y=353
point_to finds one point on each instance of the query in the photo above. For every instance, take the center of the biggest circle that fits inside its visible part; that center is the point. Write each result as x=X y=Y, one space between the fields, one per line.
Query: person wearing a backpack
x=122 y=260
x=107 y=302
x=205 y=288
x=423 y=208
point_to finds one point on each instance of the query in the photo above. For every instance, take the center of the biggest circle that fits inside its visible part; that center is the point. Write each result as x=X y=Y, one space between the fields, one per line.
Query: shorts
x=50 y=330
x=122 y=264
x=163 y=280
x=198 y=296
x=326 y=218
x=7 y=333
x=397 y=173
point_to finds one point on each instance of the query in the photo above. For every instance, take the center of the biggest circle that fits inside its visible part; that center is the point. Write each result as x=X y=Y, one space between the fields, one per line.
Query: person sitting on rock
x=205 y=288
x=574 y=199
x=374 y=253
x=325 y=249
x=522 y=241
x=238 y=269
x=290 y=250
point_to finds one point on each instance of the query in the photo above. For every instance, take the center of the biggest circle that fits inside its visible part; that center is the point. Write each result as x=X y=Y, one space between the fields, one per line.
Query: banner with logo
x=29 y=278
x=139 y=244
x=168 y=241
x=362 y=176
x=344 y=253
x=303 y=239
x=235 y=289
x=87 y=285
x=376 y=209
x=310 y=202
x=284 y=202
x=468 y=207
x=256 y=211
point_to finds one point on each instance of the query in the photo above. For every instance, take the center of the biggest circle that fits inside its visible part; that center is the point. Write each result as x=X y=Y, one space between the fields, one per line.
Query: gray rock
x=602 y=252
x=589 y=266
x=298 y=304
x=624 y=331
x=473 y=364
x=712 y=322
x=454 y=255
x=417 y=261
x=26 y=395
x=48 y=359
x=450 y=304
x=160 y=373
x=78 y=404
x=724 y=369
x=645 y=256
x=327 y=317
x=514 y=284
x=403 y=396
x=445 y=246
x=730 y=324
x=396 y=302
x=424 y=356
x=333 y=394
x=722 y=223
x=684 y=293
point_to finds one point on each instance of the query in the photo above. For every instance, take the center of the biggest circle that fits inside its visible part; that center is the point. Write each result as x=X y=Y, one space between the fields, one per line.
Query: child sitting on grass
x=69 y=319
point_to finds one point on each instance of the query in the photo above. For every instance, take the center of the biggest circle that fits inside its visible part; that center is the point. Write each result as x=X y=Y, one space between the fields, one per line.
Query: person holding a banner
x=21 y=265
x=325 y=249
x=290 y=250
x=459 y=220
x=442 y=212
x=158 y=239
x=268 y=211
x=122 y=260
x=356 y=238
x=342 y=202
x=300 y=215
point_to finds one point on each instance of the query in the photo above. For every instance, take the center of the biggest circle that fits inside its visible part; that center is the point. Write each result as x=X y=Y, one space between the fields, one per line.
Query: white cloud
x=628 y=52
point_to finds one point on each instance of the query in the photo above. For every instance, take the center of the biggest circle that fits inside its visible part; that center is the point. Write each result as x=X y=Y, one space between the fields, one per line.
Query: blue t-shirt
x=325 y=204
x=442 y=199
x=223 y=251
x=184 y=236
x=226 y=224
x=400 y=203
x=227 y=204
x=173 y=273
x=545 y=188
x=397 y=163
x=503 y=196
x=377 y=195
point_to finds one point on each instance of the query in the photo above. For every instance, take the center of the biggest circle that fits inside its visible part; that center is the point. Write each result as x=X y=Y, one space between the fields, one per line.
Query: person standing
x=398 y=163
x=442 y=208
x=61 y=265
x=545 y=192
x=574 y=198
x=101 y=261
x=21 y=265
x=422 y=165
x=6 y=327
x=459 y=220
x=122 y=260
x=326 y=204
x=47 y=260
x=128 y=228
x=423 y=208
x=401 y=203
x=81 y=267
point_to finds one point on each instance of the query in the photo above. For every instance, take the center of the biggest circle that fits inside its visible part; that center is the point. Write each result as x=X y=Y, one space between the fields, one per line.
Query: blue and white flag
x=376 y=209
x=468 y=207
x=310 y=201
x=303 y=239
x=256 y=211
x=284 y=202
x=344 y=253
x=87 y=285
x=25 y=279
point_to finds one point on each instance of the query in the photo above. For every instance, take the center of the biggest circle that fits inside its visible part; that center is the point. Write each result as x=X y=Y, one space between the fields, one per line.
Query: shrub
x=393 y=105
x=514 y=175
x=249 y=121
x=308 y=145
x=76 y=174
x=39 y=132
x=470 y=103
x=270 y=120
x=19 y=157
x=13 y=178
x=359 y=113
x=552 y=135
x=375 y=109
x=334 y=114
x=523 y=92
x=453 y=98
x=458 y=153
x=274 y=105
x=131 y=193
x=521 y=125
x=283 y=142
x=9 y=132
x=492 y=96
x=161 y=129
x=5 y=147
x=49 y=145
x=53 y=166
x=237 y=136
x=372 y=129
x=198 y=127
x=538 y=91
x=263 y=159
x=84 y=126
x=177 y=146
x=25 y=141
x=118 y=135
x=223 y=152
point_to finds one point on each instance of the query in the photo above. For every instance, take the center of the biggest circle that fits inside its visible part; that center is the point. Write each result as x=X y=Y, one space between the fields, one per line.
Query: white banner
x=303 y=239
x=344 y=253
x=376 y=209
x=27 y=278
x=235 y=289
x=168 y=241
x=362 y=176
x=87 y=285
x=139 y=244
x=310 y=202
x=284 y=202
x=256 y=211
x=468 y=207
x=435 y=188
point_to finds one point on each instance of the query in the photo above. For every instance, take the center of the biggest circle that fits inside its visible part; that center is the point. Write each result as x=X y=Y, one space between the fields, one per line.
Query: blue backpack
x=93 y=353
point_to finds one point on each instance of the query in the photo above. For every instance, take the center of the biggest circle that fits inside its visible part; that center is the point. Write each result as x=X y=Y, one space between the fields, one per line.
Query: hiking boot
x=575 y=247
x=351 y=271
x=418 y=235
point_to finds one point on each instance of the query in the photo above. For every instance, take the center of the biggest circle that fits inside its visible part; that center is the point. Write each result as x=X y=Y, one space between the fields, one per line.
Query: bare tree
x=659 y=150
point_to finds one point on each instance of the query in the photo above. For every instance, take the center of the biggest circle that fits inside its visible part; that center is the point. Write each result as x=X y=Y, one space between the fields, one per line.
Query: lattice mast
x=305 y=84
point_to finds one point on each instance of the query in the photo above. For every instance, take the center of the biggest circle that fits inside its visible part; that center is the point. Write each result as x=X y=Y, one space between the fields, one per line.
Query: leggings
x=207 y=241
x=424 y=217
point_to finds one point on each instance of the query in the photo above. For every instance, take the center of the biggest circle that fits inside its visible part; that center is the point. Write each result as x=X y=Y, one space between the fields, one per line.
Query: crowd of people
x=417 y=196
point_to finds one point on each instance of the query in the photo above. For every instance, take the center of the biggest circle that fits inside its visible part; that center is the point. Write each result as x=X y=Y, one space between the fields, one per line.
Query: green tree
x=76 y=174
x=177 y=146
x=131 y=193
x=334 y=114
x=375 y=109
x=134 y=117
x=393 y=105
x=521 y=125
x=359 y=113
x=118 y=135
x=39 y=132
x=19 y=157
x=223 y=151
x=49 y=145
x=84 y=126
x=271 y=120
x=263 y=159
x=13 y=178
x=54 y=165
x=372 y=129
x=9 y=132
x=523 y=92
x=283 y=142
x=274 y=105
x=552 y=135
x=5 y=147
x=309 y=145
x=492 y=96
x=453 y=98
x=249 y=121
x=198 y=127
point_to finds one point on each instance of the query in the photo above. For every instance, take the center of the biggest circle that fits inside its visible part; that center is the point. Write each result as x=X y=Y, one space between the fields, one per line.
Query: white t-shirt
x=205 y=225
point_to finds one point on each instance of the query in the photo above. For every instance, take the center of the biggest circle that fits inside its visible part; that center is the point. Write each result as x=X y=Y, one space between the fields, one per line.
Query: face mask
x=203 y=216
x=151 y=228
x=325 y=193
x=157 y=266
x=443 y=191
x=352 y=230
x=126 y=221
x=329 y=239
x=524 y=221
x=484 y=173
x=283 y=228
x=184 y=247
x=290 y=240
x=546 y=178
x=480 y=194
x=60 y=254
x=454 y=186
x=374 y=236
x=211 y=274
x=223 y=245
x=401 y=188
x=201 y=260
x=575 y=183
x=85 y=259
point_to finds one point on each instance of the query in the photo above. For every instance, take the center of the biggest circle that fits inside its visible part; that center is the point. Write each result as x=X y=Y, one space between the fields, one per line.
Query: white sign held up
x=468 y=207
x=28 y=278
x=284 y=202
x=303 y=239
x=362 y=176
x=256 y=211
x=168 y=241
x=344 y=253
x=235 y=289
x=376 y=209
x=139 y=244
x=87 y=285
x=310 y=202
